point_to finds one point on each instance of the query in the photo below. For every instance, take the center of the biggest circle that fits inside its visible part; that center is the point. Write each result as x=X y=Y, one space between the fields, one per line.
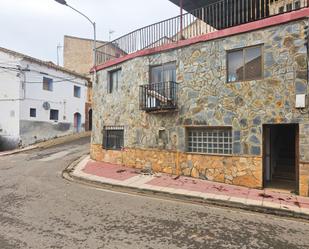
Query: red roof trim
x=271 y=21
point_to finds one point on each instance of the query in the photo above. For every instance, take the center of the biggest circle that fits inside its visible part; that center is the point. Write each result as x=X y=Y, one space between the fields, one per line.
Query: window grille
x=210 y=140
x=113 y=137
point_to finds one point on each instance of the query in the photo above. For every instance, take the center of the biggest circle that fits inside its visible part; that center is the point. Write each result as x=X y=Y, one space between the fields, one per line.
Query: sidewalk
x=191 y=189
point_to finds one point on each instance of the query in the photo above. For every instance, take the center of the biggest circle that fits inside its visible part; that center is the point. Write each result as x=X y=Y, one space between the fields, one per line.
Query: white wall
x=60 y=98
x=10 y=88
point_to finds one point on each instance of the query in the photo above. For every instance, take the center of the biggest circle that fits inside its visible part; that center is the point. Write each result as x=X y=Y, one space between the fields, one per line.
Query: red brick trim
x=271 y=21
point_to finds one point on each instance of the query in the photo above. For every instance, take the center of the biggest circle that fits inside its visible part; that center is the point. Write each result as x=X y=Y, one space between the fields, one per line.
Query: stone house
x=229 y=105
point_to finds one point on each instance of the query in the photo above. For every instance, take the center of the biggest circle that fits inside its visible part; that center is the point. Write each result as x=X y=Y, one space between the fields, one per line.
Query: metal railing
x=158 y=96
x=216 y=16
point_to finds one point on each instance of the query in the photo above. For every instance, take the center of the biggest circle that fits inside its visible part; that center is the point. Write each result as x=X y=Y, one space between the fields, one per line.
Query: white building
x=38 y=100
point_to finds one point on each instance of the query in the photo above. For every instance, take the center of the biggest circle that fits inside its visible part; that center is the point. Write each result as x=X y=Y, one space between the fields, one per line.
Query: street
x=40 y=209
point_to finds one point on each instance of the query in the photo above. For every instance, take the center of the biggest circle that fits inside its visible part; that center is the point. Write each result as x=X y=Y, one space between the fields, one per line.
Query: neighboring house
x=38 y=100
x=78 y=57
x=281 y=6
x=229 y=105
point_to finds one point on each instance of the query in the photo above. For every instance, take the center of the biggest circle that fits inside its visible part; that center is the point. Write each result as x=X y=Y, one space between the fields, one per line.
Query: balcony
x=198 y=20
x=158 y=97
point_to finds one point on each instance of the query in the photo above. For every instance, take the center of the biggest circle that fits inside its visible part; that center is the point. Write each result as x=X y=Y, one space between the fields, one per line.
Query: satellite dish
x=46 y=106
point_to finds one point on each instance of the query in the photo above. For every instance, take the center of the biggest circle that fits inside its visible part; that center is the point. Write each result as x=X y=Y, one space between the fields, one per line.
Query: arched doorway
x=77 y=122
x=90 y=120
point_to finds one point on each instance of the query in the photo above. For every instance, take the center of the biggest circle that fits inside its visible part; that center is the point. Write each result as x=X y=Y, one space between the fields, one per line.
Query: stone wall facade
x=206 y=99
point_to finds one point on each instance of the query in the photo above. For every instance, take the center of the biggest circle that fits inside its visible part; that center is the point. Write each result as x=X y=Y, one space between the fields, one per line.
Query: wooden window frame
x=243 y=59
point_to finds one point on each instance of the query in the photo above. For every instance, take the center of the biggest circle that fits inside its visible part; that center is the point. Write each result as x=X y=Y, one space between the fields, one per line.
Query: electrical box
x=300 y=101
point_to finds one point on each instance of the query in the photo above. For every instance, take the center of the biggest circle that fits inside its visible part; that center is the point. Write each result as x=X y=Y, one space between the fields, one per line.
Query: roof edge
x=42 y=63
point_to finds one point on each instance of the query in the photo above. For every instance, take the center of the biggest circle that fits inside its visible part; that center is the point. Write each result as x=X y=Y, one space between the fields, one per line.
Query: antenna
x=111 y=32
x=58 y=48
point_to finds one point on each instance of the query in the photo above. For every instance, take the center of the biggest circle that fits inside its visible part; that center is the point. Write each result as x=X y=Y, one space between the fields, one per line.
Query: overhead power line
x=16 y=69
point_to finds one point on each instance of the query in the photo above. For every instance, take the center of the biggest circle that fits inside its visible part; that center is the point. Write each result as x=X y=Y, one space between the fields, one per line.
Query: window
x=113 y=137
x=54 y=114
x=77 y=91
x=210 y=140
x=32 y=112
x=297 y=5
x=113 y=81
x=244 y=64
x=281 y=9
x=163 y=73
x=47 y=84
x=289 y=7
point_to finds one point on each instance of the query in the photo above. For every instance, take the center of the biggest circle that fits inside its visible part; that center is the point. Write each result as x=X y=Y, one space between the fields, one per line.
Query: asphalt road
x=39 y=209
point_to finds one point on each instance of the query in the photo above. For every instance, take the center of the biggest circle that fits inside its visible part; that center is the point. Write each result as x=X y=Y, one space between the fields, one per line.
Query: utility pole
x=63 y=2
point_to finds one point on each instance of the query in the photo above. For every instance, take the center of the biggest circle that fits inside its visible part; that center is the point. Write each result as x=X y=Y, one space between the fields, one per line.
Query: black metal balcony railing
x=219 y=15
x=158 y=96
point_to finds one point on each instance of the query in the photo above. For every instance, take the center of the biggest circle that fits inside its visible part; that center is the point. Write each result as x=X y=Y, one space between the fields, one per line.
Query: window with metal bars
x=113 y=137
x=210 y=140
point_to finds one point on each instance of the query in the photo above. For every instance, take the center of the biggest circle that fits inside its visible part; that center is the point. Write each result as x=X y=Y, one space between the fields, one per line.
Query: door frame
x=296 y=127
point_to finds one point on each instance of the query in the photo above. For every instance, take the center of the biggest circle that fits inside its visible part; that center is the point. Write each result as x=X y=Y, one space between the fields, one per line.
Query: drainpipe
x=181 y=19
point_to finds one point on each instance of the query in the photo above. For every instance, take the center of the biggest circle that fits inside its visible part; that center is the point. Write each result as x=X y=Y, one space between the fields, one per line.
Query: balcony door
x=161 y=84
x=163 y=73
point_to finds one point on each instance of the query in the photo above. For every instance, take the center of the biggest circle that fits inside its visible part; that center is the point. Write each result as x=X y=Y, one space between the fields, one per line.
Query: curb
x=67 y=174
x=48 y=143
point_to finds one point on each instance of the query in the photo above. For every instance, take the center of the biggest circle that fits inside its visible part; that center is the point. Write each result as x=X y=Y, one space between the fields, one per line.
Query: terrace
x=196 y=18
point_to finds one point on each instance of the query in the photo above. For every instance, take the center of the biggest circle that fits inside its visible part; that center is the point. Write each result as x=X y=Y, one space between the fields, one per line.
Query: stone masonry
x=205 y=99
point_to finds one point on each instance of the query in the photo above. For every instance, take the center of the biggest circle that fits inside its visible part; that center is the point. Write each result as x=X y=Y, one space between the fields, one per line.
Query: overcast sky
x=35 y=27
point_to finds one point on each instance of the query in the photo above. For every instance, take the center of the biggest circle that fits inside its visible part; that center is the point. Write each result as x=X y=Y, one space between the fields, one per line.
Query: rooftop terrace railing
x=219 y=15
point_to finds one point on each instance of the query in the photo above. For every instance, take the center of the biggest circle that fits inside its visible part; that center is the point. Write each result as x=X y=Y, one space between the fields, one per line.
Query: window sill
x=208 y=154
x=112 y=149
x=244 y=81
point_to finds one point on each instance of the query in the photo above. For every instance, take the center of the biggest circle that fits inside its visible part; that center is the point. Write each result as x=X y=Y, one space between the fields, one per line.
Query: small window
x=244 y=64
x=289 y=7
x=281 y=9
x=297 y=5
x=77 y=91
x=47 y=84
x=113 y=137
x=113 y=81
x=210 y=140
x=32 y=112
x=54 y=114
